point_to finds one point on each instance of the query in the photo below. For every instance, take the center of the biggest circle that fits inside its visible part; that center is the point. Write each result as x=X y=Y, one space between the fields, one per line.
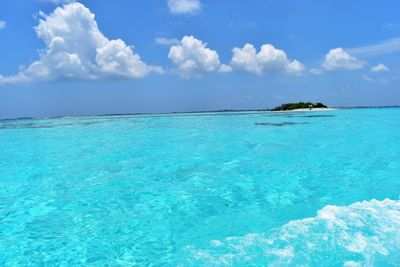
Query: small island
x=300 y=106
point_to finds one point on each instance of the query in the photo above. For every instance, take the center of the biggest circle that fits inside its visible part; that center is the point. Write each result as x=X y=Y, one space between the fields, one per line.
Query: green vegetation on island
x=299 y=105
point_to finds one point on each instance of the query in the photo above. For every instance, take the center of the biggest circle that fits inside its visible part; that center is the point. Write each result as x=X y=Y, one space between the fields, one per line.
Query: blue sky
x=93 y=57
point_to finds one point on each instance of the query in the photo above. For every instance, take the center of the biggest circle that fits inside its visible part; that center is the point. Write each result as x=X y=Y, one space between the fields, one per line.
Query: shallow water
x=226 y=189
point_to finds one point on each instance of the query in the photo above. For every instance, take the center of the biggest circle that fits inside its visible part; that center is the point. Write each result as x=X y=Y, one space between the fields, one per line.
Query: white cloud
x=295 y=67
x=192 y=58
x=339 y=59
x=316 y=71
x=117 y=59
x=367 y=78
x=388 y=46
x=3 y=24
x=184 y=6
x=77 y=49
x=166 y=41
x=379 y=68
x=57 y=2
x=13 y=79
x=268 y=59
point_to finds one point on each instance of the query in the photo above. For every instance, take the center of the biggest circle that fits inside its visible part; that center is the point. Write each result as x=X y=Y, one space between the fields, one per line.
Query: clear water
x=226 y=189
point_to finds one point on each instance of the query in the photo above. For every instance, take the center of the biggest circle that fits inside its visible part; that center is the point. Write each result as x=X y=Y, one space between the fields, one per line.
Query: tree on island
x=299 y=105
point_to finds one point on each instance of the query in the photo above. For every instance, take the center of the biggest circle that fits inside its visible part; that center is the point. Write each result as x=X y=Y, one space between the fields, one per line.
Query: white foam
x=352 y=264
x=361 y=234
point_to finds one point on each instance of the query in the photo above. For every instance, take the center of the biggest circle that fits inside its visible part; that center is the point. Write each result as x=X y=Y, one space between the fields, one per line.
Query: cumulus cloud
x=184 y=6
x=192 y=58
x=295 y=67
x=75 y=48
x=338 y=58
x=379 y=68
x=268 y=59
x=3 y=24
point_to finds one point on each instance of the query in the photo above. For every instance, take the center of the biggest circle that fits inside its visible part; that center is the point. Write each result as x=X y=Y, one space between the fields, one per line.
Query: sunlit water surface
x=224 y=189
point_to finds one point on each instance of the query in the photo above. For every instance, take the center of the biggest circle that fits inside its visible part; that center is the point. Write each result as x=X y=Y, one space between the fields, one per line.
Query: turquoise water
x=225 y=189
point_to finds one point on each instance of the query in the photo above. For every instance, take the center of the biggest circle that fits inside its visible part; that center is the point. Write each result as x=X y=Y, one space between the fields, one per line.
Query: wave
x=364 y=233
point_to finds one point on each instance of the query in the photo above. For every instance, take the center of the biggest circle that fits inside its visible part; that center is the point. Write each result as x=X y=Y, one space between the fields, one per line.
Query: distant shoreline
x=185 y=112
x=305 y=109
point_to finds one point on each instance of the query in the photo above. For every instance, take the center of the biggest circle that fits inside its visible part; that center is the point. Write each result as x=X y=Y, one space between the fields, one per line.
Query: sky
x=63 y=57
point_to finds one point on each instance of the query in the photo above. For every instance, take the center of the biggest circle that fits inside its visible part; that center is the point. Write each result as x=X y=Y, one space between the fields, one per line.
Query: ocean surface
x=225 y=189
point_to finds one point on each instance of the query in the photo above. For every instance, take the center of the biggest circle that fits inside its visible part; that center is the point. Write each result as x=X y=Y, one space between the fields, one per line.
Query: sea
x=312 y=188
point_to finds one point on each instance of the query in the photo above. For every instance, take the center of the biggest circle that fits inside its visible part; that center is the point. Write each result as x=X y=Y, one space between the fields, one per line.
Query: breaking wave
x=364 y=233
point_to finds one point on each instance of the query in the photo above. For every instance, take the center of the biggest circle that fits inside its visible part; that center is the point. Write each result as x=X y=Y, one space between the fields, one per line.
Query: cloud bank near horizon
x=76 y=49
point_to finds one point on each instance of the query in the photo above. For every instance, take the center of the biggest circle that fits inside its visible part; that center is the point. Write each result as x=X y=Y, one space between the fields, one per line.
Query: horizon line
x=178 y=113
